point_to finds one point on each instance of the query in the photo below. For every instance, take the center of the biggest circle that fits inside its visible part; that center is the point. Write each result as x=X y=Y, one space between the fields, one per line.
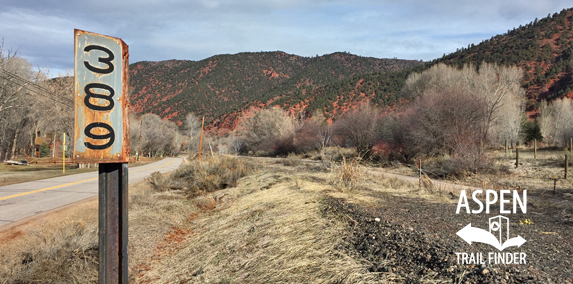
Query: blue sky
x=42 y=30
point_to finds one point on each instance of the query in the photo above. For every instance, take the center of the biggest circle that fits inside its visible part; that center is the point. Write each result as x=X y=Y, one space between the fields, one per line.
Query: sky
x=41 y=31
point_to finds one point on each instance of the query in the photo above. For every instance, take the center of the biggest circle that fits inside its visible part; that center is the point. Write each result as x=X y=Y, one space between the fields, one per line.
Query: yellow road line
x=44 y=189
x=154 y=167
x=71 y=183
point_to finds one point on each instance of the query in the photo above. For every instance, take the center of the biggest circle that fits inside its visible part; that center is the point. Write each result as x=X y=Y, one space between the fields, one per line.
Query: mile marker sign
x=101 y=99
x=102 y=136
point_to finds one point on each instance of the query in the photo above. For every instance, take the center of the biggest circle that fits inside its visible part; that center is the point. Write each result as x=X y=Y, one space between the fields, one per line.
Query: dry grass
x=62 y=247
x=17 y=174
x=347 y=173
x=55 y=254
x=57 y=248
x=209 y=174
x=273 y=235
x=534 y=175
x=292 y=160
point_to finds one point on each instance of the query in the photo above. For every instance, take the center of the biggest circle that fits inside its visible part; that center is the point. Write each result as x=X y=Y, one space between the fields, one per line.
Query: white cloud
x=179 y=29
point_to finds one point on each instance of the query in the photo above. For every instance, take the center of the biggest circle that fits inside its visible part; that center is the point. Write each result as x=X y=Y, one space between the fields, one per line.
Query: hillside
x=224 y=84
x=543 y=48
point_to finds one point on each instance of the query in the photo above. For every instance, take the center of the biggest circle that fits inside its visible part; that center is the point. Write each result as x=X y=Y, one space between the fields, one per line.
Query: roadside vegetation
x=272 y=221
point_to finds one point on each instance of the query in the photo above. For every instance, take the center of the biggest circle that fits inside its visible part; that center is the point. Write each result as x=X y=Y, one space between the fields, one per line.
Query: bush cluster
x=210 y=174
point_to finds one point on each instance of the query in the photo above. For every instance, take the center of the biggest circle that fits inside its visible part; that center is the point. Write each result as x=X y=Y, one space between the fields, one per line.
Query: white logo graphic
x=498 y=236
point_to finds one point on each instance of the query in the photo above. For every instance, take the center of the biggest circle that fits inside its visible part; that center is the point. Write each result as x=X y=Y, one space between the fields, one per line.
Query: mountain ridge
x=226 y=83
x=223 y=87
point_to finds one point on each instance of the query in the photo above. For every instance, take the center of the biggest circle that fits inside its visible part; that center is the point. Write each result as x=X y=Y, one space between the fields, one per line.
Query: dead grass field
x=269 y=228
x=535 y=175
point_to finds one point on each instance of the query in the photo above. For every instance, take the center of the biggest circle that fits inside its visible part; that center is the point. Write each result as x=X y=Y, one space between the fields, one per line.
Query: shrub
x=270 y=130
x=158 y=182
x=211 y=174
x=308 y=137
x=346 y=173
x=44 y=150
x=292 y=160
x=69 y=255
x=283 y=146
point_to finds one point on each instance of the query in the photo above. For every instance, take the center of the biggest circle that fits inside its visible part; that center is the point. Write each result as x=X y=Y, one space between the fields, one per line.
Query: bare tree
x=12 y=69
x=500 y=88
x=446 y=122
x=15 y=102
x=324 y=132
x=269 y=130
x=324 y=135
x=360 y=128
x=496 y=87
x=557 y=119
x=193 y=131
x=545 y=121
x=158 y=137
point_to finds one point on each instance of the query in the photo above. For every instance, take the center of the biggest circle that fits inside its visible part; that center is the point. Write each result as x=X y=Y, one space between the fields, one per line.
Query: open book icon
x=473 y=234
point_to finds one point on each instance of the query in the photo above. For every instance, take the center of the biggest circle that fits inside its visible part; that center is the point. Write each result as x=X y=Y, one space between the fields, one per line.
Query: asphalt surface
x=23 y=200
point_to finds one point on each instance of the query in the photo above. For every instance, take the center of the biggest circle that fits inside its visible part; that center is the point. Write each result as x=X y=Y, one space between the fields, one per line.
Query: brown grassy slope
x=62 y=247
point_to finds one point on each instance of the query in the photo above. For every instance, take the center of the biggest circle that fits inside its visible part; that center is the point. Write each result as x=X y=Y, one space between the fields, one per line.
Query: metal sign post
x=102 y=136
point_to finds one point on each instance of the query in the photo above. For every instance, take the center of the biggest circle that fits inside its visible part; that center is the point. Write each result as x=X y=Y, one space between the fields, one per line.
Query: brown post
x=420 y=174
x=516 y=157
x=566 y=165
x=201 y=139
x=113 y=227
x=506 y=148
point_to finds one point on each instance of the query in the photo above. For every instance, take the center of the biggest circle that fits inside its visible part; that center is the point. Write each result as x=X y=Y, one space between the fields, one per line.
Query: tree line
x=455 y=112
x=31 y=105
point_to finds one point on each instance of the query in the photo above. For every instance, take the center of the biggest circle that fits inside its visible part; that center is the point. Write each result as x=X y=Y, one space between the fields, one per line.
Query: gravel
x=415 y=241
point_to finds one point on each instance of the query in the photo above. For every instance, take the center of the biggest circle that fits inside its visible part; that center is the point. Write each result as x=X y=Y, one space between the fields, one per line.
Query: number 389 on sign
x=101 y=91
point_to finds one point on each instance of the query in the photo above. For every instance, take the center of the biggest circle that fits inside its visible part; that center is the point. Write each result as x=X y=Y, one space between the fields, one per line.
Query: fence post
x=420 y=174
x=516 y=157
x=505 y=147
x=566 y=165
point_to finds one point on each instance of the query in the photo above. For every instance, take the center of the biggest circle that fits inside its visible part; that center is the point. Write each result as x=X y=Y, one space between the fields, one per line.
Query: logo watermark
x=498 y=234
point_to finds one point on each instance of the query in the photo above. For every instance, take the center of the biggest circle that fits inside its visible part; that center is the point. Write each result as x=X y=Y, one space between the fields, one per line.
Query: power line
x=40 y=90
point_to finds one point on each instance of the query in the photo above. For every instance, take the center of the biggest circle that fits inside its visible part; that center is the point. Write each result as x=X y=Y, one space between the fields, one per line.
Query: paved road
x=19 y=201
